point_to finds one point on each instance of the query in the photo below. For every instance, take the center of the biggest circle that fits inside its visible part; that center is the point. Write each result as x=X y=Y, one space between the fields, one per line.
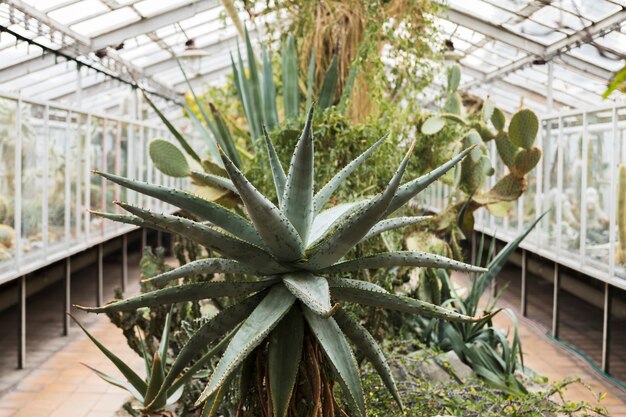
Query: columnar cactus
x=297 y=252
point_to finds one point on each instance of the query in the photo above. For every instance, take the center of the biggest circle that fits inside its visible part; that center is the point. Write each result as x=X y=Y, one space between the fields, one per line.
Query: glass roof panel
x=78 y=11
x=108 y=21
x=149 y=8
x=488 y=12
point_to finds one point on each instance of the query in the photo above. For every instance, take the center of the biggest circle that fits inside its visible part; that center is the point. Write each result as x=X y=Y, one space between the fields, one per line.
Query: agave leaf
x=346 y=94
x=269 y=92
x=156 y=379
x=401 y=258
x=330 y=218
x=246 y=92
x=297 y=201
x=253 y=331
x=118 y=383
x=206 y=236
x=203 y=209
x=200 y=363
x=216 y=327
x=182 y=293
x=395 y=223
x=312 y=290
x=323 y=195
x=340 y=355
x=239 y=81
x=410 y=189
x=366 y=344
x=213 y=180
x=135 y=380
x=212 y=402
x=279 y=235
x=285 y=352
x=206 y=134
x=359 y=295
x=164 y=343
x=226 y=140
x=123 y=218
x=310 y=79
x=173 y=399
x=496 y=265
x=206 y=266
x=355 y=283
x=278 y=173
x=342 y=239
x=179 y=137
x=291 y=90
x=327 y=93
x=254 y=86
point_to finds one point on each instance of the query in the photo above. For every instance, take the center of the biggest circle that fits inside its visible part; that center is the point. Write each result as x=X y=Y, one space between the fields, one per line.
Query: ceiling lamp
x=191 y=58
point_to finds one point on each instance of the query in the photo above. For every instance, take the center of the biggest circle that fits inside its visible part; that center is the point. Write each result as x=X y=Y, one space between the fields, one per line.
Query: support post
x=159 y=238
x=555 y=301
x=99 y=290
x=523 y=302
x=67 y=296
x=21 y=332
x=144 y=239
x=606 y=328
x=124 y=263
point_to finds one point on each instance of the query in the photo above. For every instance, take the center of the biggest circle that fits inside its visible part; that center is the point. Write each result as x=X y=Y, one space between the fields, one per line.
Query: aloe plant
x=297 y=253
x=482 y=346
x=152 y=392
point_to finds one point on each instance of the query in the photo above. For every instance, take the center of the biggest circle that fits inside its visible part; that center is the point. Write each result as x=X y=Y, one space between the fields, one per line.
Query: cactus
x=4 y=211
x=523 y=128
x=7 y=236
x=168 y=159
x=621 y=215
x=296 y=250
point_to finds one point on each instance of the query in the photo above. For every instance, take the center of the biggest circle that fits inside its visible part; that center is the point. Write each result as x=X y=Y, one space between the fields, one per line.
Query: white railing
x=47 y=152
x=577 y=181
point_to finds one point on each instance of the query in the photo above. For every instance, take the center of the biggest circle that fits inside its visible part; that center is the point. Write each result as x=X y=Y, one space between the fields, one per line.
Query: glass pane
x=77 y=138
x=33 y=152
x=111 y=142
x=571 y=199
x=620 y=239
x=8 y=109
x=98 y=162
x=57 y=143
x=550 y=190
x=598 y=188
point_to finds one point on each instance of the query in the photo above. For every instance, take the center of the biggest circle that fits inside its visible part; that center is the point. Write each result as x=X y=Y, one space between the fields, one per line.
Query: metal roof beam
x=499 y=33
x=504 y=35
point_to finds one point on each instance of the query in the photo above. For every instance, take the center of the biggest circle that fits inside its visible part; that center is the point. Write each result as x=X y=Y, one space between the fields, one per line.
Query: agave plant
x=298 y=255
x=482 y=346
x=151 y=393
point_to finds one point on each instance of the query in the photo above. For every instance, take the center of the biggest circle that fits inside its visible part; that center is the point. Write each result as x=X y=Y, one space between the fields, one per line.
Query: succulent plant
x=297 y=253
x=152 y=392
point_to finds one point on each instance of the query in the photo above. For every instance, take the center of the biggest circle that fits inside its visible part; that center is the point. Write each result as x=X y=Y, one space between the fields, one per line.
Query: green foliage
x=153 y=393
x=302 y=262
x=618 y=83
x=482 y=346
x=472 y=399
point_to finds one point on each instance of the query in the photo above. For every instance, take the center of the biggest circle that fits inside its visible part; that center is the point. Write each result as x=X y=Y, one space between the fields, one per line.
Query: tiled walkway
x=61 y=387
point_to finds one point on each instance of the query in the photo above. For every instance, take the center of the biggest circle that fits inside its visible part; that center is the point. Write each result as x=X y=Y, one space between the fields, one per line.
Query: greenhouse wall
x=580 y=167
x=47 y=186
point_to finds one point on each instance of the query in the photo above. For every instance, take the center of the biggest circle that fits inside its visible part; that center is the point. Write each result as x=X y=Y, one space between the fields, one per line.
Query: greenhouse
x=312 y=208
